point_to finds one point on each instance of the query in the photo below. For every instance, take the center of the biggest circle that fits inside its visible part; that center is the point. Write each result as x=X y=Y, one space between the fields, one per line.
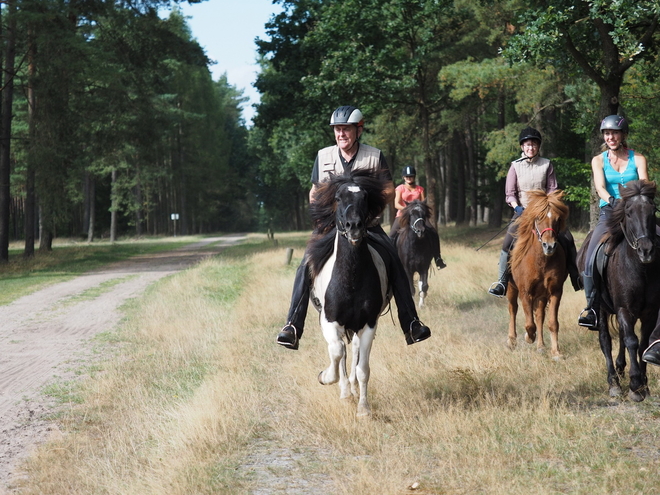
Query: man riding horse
x=349 y=154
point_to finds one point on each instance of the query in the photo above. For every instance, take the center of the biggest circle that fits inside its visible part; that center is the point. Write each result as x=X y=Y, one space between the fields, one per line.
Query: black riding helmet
x=347 y=115
x=529 y=133
x=408 y=171
x=614 y=123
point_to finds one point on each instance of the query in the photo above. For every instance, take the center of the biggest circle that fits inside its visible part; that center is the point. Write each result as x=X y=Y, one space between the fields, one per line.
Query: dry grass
x=200 y=400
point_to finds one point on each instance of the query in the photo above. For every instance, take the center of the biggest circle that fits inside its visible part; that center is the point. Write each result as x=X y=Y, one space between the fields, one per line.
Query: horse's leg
x=631 y=343
x=336 y=349
x=648 y=324
x=352 y=379
x=539 y=313
x=553 y=325
x=362 y=369
x=512 y=296
x=423 y=285
x=530 y=327
x=605 y=341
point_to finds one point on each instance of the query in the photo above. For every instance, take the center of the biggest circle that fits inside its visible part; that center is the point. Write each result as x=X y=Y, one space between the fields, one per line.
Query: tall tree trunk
x=114 y=205
x=460 y=178
x=30 y=196
x=428 y=169
x=91 y=207
x=5 y=131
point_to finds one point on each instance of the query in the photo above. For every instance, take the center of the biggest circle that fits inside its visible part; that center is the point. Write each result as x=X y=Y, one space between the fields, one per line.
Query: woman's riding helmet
x=614 y=123
x=408 y=171
x=529 y=133
x=347 y=115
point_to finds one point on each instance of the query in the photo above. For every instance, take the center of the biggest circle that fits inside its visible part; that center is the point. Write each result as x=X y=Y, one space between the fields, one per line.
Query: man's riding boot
x=439 y=262
x=589 y=316
x=290 y=334
x=498 y=288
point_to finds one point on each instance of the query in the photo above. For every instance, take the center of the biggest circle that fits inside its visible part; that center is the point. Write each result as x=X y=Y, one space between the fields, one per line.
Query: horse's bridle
x=341 y=228
x=540 y=234
x=635 y=243
x=417 y=231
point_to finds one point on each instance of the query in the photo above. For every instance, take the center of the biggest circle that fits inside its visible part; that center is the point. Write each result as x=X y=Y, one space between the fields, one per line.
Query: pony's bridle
x=341 y=227
x=635 y=243
x=539 y=234
x=414 y=227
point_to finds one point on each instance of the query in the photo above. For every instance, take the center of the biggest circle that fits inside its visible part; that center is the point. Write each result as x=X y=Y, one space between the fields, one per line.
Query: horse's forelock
x=632 y=189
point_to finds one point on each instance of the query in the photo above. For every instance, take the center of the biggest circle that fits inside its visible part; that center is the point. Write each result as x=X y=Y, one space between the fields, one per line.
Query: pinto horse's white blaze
x=334 y=334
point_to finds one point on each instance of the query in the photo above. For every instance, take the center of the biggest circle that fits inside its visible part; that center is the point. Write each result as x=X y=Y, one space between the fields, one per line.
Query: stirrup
x=496 y=285
x=288 y=337
x=585 y=321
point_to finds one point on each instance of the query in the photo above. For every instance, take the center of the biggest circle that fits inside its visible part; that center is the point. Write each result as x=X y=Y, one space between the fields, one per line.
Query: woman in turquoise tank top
x=615 y=165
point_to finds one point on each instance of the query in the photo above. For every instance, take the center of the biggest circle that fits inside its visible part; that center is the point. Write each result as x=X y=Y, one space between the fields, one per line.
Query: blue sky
x=226 y=29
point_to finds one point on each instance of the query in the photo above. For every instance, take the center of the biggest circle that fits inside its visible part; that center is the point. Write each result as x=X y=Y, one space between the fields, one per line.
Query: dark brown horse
x=630 y=287
x=415 y=244
x=538 y=268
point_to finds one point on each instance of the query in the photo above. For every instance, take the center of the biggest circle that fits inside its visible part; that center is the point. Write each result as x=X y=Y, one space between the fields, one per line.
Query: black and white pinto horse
x=350 y=283
x=414 y=243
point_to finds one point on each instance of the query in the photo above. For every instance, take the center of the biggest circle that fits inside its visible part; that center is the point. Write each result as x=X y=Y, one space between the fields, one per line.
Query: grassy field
x=196 y=398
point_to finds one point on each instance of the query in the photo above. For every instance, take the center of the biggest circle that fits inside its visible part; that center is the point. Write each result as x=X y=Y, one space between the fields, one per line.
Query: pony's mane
x=323 y=209
x=540 y=204
x=633 y=188
x=404 y=219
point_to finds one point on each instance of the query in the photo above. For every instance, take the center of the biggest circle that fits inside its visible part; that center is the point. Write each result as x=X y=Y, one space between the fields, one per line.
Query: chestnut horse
x=538 y=268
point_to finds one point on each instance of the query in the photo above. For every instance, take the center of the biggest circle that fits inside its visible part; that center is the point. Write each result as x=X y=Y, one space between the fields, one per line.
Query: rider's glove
x=613 y=201
x=519 y=209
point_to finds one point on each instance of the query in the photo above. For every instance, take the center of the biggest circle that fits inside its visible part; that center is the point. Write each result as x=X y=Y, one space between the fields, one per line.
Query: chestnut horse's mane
x=540 y=205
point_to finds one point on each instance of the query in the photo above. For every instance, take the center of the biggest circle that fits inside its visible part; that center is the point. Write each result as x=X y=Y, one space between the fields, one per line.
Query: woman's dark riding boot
x=498 y=288
x=589 y=316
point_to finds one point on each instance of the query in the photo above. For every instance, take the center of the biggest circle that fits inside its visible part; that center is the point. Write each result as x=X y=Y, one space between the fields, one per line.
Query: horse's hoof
x=511 y=344
x=321 y=378
x=558 y=357
x=540 y=350
x=363 y=412
x=530 y=339
x=635 y=396
x=615 y=391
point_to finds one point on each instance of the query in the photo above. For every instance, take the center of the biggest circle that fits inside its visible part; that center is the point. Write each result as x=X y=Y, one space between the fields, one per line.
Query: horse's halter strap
x=413 y=226
x=341 y=227
x=634 y=243
x=539 y=234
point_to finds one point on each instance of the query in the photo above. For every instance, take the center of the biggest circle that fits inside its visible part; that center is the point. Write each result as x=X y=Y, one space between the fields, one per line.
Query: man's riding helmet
x=347 y=115
x=614 y=123
x=529 y=133
x=409 y=171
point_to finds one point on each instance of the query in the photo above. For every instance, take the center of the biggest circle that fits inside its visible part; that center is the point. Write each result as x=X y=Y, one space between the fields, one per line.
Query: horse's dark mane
x=323 y=210
x=539 y=205
x=633 y=188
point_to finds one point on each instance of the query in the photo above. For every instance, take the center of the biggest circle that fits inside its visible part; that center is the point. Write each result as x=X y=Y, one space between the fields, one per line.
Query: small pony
x=538 y=268
x=630 y=285
x=350 y=283
x=415 y=244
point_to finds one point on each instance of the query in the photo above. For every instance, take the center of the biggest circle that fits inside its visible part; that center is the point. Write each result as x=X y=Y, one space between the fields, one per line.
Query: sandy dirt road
x=46 y=335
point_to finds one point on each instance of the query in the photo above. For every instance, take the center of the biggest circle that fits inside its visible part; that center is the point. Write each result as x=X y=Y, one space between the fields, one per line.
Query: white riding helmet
x=347 y=115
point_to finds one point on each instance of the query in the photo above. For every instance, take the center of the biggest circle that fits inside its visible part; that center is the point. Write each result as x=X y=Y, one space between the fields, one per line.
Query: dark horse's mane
x=540 y=204
x=632 y=189
x=324 y=206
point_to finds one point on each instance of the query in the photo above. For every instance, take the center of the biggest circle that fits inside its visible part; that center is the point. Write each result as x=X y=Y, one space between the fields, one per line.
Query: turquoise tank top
x=614 y=178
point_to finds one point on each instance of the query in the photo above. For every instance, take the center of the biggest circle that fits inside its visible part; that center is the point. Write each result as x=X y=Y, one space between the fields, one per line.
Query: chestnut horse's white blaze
x=334 y=334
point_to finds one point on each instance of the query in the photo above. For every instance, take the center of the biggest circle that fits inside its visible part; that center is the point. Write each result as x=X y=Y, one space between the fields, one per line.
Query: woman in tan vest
x=529 y=172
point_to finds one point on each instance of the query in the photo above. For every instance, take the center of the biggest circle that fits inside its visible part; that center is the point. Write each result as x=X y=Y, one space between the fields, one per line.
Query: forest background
x=110 y=121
